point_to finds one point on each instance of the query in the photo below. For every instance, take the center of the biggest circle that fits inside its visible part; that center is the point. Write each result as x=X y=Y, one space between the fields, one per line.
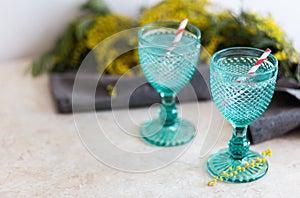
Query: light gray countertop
x=42 y=154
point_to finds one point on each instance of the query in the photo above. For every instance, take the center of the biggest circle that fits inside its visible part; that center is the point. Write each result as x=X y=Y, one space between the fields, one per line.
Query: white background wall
x=30 y=27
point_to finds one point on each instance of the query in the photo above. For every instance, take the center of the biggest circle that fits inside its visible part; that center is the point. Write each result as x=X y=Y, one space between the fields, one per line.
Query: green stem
x=239 y=144
x=168 y=111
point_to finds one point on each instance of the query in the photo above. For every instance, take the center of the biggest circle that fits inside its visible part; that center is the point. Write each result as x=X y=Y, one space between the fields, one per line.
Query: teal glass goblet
x=240 y=102
x=168 y=73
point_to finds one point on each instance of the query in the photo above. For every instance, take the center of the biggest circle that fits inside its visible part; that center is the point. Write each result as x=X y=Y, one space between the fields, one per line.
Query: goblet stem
x=168 y=129
x=238 y=162
x=239 y=144
x=168 y=111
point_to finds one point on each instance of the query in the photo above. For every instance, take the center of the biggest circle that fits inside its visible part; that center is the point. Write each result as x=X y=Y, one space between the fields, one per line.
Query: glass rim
x=162 y=25
x=270 y=57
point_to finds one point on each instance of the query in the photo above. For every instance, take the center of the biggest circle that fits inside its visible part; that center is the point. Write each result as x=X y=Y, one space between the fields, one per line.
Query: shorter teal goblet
x=168 y=72
x=240 y=102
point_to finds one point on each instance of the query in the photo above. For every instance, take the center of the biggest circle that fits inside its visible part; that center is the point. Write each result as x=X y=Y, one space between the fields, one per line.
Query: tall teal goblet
x=240 y=103
x=168 y=73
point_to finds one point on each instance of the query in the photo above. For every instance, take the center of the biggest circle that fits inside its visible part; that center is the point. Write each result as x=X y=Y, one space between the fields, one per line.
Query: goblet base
x=181 y=132
x=247 y=169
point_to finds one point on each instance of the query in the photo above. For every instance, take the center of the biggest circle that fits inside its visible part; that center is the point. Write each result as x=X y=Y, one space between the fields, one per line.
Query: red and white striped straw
x=261 y=59
x=178 y=36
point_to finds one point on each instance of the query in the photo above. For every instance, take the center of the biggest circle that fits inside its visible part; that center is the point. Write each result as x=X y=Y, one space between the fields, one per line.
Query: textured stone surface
x=42 y=154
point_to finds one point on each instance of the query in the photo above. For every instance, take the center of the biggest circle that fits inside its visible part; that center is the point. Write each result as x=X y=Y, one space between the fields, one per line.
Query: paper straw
x=261 y=59
x=178 y=36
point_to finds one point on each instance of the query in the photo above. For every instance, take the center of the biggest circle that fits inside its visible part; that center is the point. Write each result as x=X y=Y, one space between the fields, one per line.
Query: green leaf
x=66 y=42
x=83 y=26
x=42 y=64
x=96 y=6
